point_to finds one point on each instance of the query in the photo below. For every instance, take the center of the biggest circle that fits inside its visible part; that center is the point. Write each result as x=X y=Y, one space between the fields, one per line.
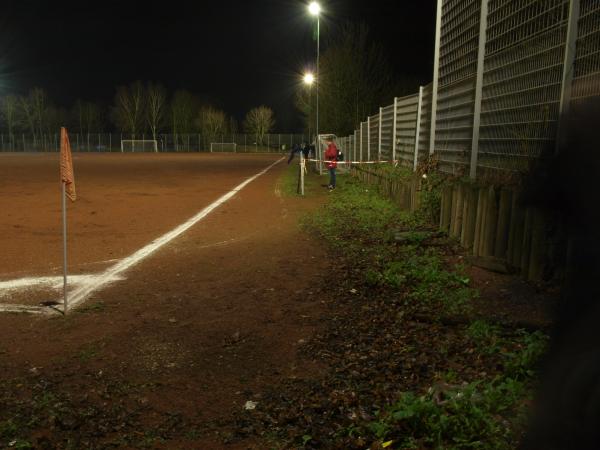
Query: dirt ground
x=228 y=313
x=195 y=330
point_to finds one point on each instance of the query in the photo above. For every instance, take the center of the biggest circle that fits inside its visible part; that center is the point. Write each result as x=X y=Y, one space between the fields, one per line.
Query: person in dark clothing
x=295 y=149
x=305 y=150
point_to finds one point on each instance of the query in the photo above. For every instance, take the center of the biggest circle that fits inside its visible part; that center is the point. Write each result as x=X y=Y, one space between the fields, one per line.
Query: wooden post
x=446 y=208
x=489 y=232
x=502 y=231
x=537 y=252
x=479 y=221
x=470 y=217
x=526 y=243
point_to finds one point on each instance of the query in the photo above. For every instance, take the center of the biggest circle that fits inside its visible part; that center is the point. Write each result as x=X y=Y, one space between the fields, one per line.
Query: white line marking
x=219 y=244
x=80 y=294
x=28 y=283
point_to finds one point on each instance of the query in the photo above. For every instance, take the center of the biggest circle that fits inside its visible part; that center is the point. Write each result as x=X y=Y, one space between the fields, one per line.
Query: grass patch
x=358 y=221
x=466 y=417
x=472 y=410
x=362 y=225
x=483 y=414
x=8 y=429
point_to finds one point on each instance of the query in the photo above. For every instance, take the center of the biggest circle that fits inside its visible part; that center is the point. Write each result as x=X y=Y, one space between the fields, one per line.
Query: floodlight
x=309 y=78
x=314 y=8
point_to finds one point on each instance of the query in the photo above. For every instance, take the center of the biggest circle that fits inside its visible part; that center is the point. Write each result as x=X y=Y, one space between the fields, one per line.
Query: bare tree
x=233 y=125
x=259 y=121
x=54 y=118
x=87 y=116
x=183 y=112
x=305 y=102
x=156 y=110
x=9 y=111
x=212 y=122
x=38 y=101
x=128 y=111
x=36 y=112
x=27 y=110
x=355 y=79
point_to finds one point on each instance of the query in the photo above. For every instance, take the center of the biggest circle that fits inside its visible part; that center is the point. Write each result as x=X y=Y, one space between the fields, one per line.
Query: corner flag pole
x=64 y=219
x=68 y=190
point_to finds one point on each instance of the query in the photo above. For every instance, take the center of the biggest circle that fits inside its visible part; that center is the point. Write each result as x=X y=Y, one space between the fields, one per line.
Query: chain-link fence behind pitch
x=113 y=142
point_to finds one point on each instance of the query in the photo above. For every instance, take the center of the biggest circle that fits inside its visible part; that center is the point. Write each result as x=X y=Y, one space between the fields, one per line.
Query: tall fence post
x=436 y=70
x=394 y=130
x=478 y=89
x=567 y=75
x=418 y=129
x=360 y=147
x=379 y=137
x=368 y=138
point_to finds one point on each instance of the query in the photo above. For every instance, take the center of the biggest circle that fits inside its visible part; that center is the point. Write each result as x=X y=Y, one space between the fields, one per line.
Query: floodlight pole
x=318 y=79
x=315 y=10
x=318 y=83
x=309 y=110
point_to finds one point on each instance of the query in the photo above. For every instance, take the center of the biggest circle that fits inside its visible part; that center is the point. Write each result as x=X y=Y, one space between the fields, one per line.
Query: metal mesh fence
x=356 y=146
x=373 y=143
x=364 y=142
x=522 y=81
x=387 y=131
x=406 y=127
x=425 y=123
x=507 y=70
x=586 y=70
x=459 y=42
x=111 y=142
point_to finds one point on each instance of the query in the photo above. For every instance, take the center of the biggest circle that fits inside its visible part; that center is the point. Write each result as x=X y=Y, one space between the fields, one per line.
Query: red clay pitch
x=124 y=202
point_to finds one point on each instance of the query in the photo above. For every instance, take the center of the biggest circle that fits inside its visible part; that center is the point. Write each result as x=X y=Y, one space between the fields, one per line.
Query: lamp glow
x=309 y=78
x=314 y=8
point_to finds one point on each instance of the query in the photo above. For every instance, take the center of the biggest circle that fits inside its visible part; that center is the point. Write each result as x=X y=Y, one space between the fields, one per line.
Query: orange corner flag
x=66 y=165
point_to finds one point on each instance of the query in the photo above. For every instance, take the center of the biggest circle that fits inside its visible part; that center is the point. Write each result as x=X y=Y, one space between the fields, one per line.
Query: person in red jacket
x=331 y=155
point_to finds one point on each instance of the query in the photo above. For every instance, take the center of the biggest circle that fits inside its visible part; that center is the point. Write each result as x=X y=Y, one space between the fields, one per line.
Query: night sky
x=234 y=54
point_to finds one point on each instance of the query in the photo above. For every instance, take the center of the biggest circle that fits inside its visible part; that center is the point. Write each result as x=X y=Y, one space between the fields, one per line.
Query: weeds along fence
x=112 y=142
x=497 y=229
x=505 y=71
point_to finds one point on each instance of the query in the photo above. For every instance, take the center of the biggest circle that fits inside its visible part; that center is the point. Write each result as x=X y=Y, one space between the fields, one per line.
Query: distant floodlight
x=309 y=78
x=314 y=8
